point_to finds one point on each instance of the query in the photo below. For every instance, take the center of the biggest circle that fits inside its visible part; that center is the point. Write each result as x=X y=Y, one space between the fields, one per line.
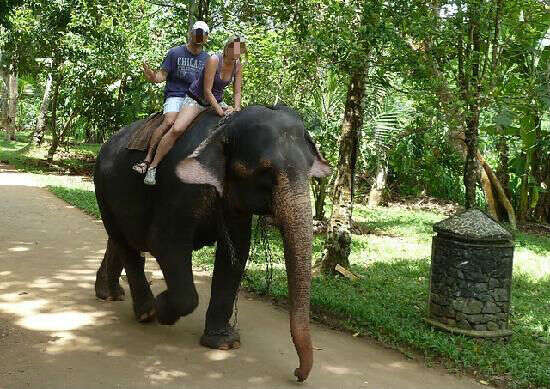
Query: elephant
x=215 y=178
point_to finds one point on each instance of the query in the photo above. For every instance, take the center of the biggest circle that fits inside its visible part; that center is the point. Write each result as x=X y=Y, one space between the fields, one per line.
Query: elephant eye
x=241 y=170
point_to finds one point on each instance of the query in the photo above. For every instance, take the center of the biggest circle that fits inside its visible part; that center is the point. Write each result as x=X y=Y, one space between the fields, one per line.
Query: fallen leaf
x=482 y=382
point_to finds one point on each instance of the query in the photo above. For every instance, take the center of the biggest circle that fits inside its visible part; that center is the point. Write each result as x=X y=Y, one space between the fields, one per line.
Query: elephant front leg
x=107 y=286
x=218 y=333
x=181 y=297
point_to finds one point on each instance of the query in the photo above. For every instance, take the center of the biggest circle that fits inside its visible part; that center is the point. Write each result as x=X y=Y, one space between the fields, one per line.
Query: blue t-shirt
x=183 y=67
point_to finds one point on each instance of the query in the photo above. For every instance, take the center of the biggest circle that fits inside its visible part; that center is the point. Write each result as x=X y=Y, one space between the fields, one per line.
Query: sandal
x=150 y=177
x=141 y=167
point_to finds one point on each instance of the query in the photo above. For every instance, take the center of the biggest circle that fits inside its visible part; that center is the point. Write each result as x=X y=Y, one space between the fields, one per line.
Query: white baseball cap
x=202 y=25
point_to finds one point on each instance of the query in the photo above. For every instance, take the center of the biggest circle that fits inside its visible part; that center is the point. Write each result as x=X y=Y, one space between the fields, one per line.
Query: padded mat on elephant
x=143 y=133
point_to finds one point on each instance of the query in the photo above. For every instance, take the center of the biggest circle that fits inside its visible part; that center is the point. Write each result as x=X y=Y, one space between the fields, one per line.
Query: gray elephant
x=211 y=183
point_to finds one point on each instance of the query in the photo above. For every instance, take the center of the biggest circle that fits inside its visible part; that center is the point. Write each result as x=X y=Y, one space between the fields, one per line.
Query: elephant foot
x=165 y=313
x=104 y=292
x=225 y=339
x=145 y=311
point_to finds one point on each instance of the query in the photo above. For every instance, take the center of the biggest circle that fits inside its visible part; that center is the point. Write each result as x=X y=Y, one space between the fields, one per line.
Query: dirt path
x=55 y=334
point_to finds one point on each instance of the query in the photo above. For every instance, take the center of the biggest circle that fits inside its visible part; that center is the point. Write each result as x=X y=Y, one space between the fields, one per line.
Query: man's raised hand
x=148 y=72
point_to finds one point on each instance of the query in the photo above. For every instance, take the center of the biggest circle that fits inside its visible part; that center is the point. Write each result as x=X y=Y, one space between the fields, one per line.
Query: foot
x=145 y=312
x=104 y=291
x=150 y=177
x=165 y=313
x=141 y=167
x=110 y=294
x=224 y=339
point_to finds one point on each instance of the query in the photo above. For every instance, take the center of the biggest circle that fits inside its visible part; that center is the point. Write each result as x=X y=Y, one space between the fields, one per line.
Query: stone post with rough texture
x=471 y=276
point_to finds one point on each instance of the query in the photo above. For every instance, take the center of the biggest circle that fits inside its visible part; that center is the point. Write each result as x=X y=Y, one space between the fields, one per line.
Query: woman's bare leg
x=185 y=117
x=169 y=120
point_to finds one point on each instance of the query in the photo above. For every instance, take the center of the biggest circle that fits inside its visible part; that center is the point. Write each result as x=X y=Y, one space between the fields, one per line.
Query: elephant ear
x=206 y=164
x=320 y=167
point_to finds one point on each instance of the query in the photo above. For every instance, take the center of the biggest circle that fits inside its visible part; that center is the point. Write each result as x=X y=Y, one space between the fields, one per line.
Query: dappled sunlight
x=73 y=277
x=215 y=376
x=259 y=380
x=7 y=285
x=340 y=370
x=526 y=261
x=65 y=341
x=18 y=249
x=33 y=317
x=21 y=308
x=157 y=375
x=44 y=283
x=219 y=355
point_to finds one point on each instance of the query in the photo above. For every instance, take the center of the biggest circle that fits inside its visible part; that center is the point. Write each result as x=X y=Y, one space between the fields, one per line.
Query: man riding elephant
x=211 y=183
x=181 y=66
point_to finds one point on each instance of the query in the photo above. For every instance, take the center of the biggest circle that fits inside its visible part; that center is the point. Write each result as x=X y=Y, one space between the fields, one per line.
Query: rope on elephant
x=260 y=240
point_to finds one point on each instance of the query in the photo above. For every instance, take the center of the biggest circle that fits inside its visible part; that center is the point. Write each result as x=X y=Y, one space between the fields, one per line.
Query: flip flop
x=141 y=167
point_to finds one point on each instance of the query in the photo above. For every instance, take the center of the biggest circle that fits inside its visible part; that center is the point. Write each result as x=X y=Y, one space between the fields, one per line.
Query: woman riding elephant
x=220 y=70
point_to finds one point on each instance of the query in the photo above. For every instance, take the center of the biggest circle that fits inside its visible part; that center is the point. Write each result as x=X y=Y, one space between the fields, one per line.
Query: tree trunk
x=524 y=191
x=503 y=172
x=320 y=186
x=541 y=172
x=494 y=192
x=53 y=124
x=12 y=105
x=496 y=187
x=4 y=82
x=338 y=242
x=379 y=185
x=470 y=165
x=40 y=128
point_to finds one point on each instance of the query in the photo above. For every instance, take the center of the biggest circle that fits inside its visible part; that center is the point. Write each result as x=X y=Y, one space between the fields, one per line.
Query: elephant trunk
x=292 y=209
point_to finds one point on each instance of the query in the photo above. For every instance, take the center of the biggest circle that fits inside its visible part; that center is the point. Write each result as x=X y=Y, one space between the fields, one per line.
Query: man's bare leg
x=169 y=119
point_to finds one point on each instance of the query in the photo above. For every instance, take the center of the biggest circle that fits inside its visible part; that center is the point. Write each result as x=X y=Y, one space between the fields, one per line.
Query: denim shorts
x=173 y=104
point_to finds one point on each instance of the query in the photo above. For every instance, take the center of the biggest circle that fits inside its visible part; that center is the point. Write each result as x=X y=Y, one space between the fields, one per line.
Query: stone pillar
x=471 y=276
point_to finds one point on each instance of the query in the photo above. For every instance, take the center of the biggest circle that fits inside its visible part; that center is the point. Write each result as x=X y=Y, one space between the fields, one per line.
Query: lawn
x=389 y=300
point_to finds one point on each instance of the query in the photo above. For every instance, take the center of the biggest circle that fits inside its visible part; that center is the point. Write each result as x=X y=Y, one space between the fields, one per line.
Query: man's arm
x=154 y=76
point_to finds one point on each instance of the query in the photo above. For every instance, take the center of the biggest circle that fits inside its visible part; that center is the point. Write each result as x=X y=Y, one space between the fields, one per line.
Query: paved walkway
x=55 y=334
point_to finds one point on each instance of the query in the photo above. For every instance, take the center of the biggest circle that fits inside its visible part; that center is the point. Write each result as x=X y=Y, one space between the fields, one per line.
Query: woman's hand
x=229 y=111
x=219 y=111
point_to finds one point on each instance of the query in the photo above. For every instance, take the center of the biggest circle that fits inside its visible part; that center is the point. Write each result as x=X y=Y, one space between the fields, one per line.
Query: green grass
x=390 y=299
x=80 y=198
x=79 y=159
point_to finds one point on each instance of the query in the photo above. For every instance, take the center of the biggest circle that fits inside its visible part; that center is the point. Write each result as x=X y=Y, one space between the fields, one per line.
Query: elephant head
x=260 y=162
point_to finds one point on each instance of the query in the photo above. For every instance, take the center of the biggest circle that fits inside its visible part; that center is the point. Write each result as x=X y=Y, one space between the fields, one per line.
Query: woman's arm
x=237 y=84
x=209 y=73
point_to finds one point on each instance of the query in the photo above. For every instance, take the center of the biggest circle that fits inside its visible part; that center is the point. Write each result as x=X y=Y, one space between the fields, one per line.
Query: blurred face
x=199 y=36
x=234 y=50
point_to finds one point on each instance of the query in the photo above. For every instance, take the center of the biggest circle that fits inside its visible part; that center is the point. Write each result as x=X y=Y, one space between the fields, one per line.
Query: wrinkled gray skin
x=258 y=163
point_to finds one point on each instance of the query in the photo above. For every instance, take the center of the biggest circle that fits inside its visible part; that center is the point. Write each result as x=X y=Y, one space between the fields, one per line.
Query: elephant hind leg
x=142 y=297
x=107 y=286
